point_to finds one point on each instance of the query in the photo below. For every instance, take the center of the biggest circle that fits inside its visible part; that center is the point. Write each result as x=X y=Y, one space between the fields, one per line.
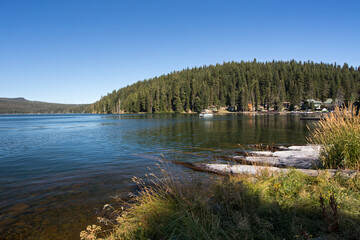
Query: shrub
x=339 y=135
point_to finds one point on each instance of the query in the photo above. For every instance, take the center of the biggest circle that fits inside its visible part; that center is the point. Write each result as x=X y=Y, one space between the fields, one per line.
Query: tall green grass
x=339 y=135
x=282 y=206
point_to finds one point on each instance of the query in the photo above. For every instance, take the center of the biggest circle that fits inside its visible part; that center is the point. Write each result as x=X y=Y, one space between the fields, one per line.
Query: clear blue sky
x=76 y=51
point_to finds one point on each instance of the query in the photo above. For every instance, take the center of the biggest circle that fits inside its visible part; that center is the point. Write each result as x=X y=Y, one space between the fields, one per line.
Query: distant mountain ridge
x=21 y=105
x=19 y=99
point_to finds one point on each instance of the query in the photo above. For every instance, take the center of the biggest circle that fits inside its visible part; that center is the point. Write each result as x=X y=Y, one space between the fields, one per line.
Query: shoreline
x=222 y=112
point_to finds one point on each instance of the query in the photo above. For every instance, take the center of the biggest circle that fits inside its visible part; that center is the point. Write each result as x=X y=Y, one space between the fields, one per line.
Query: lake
x=57 y=171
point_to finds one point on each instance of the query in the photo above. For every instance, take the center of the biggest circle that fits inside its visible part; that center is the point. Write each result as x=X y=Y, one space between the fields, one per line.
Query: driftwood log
x=302 y=158
x=228 y=169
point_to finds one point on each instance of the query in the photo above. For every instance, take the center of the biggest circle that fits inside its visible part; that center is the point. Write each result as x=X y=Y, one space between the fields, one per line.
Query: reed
x=339 y=135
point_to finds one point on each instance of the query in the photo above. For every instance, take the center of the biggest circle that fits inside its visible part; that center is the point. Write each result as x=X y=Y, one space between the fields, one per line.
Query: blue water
x=57 y=170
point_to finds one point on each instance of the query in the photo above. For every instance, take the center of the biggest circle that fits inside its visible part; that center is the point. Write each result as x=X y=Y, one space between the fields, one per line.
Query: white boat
x=206 y=113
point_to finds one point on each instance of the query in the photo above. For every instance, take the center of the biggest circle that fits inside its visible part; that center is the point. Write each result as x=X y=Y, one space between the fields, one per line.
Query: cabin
x=329 y=104
x=317 y=104
x=213 y=108
x=313 y=104
x=286 y=105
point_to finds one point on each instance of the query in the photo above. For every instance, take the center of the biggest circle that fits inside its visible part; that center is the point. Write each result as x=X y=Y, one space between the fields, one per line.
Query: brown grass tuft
x=339 y=135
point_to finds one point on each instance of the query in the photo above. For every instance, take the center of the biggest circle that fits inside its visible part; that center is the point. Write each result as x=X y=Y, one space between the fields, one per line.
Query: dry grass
x=339 y=135
x=281 y=206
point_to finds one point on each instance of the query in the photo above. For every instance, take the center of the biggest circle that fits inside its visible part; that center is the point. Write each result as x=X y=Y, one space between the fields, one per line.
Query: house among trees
x=328 y=104
x=213 y=108
x=286 y=105
x=313 y=104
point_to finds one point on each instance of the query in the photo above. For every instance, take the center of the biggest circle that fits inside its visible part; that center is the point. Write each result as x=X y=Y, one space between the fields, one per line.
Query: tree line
x=21 y=105
x=237 y=84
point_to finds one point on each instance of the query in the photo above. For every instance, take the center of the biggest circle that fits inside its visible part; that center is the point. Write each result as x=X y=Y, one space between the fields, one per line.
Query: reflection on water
x=57 y=170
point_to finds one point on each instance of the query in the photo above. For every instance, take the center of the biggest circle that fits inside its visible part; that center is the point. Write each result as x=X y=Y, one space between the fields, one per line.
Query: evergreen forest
x=21 y=105
x=238 y=84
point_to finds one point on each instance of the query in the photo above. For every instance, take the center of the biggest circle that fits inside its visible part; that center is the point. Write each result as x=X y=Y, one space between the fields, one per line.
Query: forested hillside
x=235 y=84
x=21 y=105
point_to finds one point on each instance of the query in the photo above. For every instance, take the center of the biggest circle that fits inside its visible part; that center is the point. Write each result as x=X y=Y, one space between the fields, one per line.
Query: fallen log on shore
x=227 y=169
x=301 y=158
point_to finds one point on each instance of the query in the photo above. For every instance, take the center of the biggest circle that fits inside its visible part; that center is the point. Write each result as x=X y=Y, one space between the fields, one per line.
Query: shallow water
x=57 y=171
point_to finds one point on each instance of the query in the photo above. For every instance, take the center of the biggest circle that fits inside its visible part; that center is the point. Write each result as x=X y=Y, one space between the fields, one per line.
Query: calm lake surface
x=57 y=171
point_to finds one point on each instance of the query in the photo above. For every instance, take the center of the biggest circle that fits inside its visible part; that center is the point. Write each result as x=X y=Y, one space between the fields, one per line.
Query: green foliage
x=281 y=206
x=233 y=83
